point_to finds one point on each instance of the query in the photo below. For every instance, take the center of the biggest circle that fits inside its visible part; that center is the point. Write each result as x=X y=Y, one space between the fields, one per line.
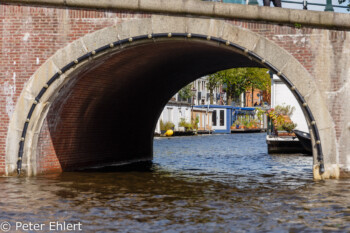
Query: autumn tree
x=257 y=78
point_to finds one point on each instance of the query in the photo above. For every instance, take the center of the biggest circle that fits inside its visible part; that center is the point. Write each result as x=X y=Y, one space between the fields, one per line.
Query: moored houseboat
x=279 y=141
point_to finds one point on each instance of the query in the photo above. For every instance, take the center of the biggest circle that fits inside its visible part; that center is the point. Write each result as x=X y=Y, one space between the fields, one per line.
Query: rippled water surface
x=218 y=183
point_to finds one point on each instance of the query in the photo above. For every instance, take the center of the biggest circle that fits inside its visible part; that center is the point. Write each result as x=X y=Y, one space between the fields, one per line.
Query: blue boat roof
x=225 y=106
x=214 y=106
x=244 y=108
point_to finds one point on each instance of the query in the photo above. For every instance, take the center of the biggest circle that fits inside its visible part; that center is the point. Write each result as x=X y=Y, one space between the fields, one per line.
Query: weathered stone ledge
x=208 y=9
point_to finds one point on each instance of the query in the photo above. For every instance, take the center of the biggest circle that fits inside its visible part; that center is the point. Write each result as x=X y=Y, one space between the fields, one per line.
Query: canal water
x=216 y=183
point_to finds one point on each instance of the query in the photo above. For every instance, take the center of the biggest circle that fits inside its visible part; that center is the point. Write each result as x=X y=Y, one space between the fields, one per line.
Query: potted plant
x=237 y=123
x=255 y=124
x=282 y=123
x=186 y=125
x=288 y=127
x=245 y=123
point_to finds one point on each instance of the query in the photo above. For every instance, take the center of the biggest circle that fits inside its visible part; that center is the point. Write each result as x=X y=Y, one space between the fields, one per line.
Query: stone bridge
x=84 y=81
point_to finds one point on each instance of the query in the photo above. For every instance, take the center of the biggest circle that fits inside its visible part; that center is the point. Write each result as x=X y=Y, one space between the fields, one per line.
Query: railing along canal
x=328 y=6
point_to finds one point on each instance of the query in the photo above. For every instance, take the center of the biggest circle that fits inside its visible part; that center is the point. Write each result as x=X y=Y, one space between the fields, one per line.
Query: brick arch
x=57 y=73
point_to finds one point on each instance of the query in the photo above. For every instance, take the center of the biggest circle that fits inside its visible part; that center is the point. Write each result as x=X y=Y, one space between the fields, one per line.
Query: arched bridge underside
x=97 y=100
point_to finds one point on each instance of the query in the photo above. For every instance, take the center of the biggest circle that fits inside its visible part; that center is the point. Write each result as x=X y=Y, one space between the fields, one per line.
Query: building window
x=170 y=114
x=222 y=117
x=214 y=118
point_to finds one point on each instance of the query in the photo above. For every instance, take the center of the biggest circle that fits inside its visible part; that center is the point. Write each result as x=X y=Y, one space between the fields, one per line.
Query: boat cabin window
x=222 y=117
x=214 y=118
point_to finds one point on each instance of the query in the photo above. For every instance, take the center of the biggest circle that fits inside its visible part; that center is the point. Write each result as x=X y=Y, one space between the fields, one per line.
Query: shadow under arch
x=79 y=111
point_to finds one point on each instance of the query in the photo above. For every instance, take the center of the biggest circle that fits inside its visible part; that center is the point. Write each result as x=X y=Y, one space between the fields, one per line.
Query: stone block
x=133 y=28
x=299 y=76
x=40 y=2
x=272 y=53
x=40 y=78
x=303 y=17
x=162 y=5
x=240 y=36
x=207 y=27
x=344 y=148
x=331 y=172
x=12 y=151
x=280 y=15
x=341 y=20
x=130 y=4
x=328 y=142
x=326 y=19
x=166 y=24
x=199 y=7
x=100 y=38
x=231 y=32
x=237 y=11
x=69 y=53
x=216 y=28
x=198 y=25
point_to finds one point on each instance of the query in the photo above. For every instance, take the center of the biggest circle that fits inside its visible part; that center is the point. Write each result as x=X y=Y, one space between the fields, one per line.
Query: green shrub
x=195 y=123
x=187 y=125
x=167 y=125
x=289 y=126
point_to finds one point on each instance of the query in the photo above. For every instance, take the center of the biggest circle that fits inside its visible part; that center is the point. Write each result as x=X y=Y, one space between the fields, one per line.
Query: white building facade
x=173 y=112
x=202 y=93
x=281 y=95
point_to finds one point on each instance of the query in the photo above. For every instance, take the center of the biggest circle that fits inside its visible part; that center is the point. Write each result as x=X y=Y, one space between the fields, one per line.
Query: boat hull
x=247 y=130
x=284 y=145
x=305 y=140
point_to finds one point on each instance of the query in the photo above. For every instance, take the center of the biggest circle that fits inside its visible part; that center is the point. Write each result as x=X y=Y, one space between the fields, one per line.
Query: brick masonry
x=30 y=35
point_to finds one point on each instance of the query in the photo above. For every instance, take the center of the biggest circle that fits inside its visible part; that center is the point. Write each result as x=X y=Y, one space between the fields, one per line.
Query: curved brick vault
x=108 y=113
x=105 y=108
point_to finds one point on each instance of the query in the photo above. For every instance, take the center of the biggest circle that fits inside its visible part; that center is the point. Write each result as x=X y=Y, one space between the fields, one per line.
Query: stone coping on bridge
x=208 y=9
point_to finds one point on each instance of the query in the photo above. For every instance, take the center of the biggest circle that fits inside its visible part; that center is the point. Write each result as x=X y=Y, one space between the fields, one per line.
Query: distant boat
x=283 y=145
x=259 y=130
x=304 y=139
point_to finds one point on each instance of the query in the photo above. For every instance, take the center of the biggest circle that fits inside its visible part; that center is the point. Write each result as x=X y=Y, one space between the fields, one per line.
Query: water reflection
x=224 y=183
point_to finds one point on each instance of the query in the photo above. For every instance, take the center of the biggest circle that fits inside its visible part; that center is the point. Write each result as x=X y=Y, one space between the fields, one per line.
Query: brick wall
x=29 y=36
